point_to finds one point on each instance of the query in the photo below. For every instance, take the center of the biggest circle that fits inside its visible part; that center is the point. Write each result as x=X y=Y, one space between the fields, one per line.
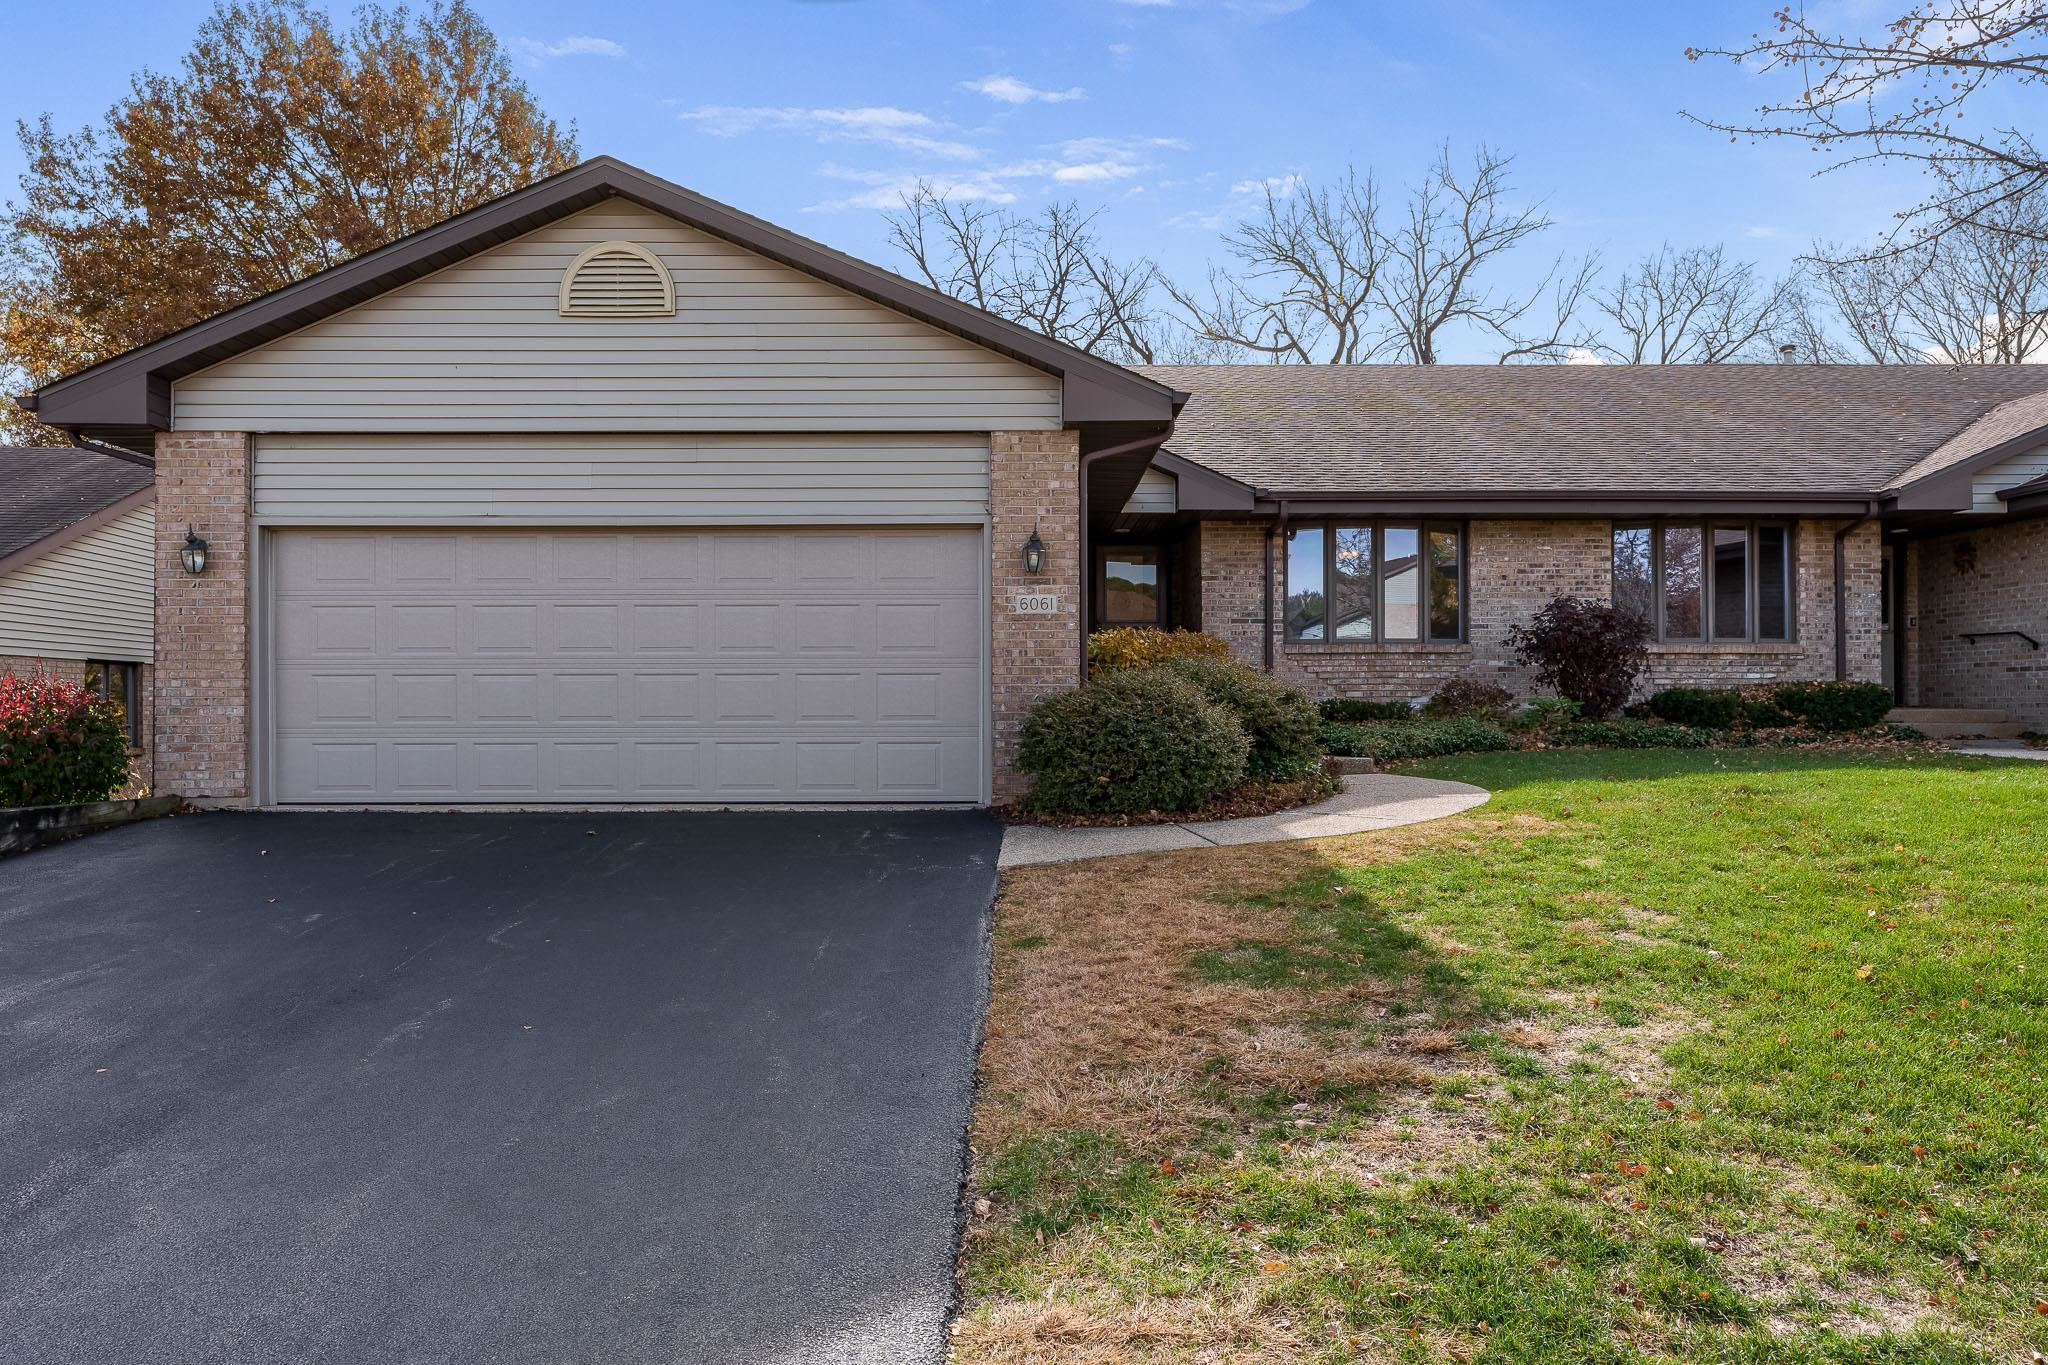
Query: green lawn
x=1668 y=1055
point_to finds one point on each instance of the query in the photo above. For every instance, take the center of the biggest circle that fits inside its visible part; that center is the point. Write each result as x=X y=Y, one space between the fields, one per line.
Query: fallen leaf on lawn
x=1863 y=972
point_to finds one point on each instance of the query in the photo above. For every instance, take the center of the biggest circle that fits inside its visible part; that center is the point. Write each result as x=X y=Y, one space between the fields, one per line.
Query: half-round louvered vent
x=617 y=280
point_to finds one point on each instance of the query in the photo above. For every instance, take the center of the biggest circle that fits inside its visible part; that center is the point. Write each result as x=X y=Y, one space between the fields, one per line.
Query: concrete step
x=2006 y=729
x=1923 y=716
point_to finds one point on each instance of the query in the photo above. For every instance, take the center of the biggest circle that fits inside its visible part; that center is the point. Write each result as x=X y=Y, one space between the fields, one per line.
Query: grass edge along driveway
x=1659 y=1056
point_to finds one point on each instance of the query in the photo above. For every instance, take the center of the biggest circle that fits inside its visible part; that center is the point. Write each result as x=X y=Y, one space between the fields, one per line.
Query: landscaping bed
x=1252 y=798
x=1729 y=1055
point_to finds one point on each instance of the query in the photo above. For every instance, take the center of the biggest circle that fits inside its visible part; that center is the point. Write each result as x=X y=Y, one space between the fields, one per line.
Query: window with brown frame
x=1711 y=580
x=1382 y=581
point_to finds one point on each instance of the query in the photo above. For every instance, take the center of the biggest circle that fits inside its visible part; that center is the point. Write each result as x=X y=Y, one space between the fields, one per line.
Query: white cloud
x=577 y=45
x=1760 y=232
x=903 y=129
x=1580 y=355
x=1010 y=90
x=1279 y=186
x=1088 y=161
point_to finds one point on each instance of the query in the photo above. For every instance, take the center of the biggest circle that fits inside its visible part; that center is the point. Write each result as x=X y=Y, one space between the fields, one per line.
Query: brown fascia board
x=1201 y=489
x=64 y=535
x=2031 y=496
x=1545 y=502
x=1950 y=489
x=131 y=391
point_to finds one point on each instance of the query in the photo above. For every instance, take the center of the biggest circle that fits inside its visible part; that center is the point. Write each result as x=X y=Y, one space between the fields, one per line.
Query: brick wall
x=1034 y=482
x=1513 y=569
x=202 y=623
x=1994 y=578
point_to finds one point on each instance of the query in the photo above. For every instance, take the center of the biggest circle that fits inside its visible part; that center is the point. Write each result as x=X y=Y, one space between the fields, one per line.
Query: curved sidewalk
x=1368 y=801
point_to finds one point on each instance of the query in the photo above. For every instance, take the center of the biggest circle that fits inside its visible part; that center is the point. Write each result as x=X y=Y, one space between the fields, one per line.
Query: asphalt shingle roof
x=1745 y=430
x=43 y=489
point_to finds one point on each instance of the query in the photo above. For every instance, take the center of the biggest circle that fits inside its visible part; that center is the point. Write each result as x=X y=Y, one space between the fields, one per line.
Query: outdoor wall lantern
x=192 y=554
x=1034 y=554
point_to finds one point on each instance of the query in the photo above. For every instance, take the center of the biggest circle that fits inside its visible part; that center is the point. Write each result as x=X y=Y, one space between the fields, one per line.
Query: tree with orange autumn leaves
x=279 y=147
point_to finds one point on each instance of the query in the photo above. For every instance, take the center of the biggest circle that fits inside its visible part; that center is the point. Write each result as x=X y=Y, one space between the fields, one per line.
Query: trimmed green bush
x=1468 y=696
x=1638 y=734
x=1350 y=711
x=1134 y=741
x=1836 y=706
x=1762 y=713
x=1279 y=721
x=59 y=744
x=1111 y=651
x=1715 y=708
x=1389 y=741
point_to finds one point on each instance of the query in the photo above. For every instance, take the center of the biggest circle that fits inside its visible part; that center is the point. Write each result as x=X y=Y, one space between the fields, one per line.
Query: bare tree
x=1455 y=227
x=1977 y=295
x=1898 y=93
x=1049 y=273
x=1308 y=271
x=1695 y=306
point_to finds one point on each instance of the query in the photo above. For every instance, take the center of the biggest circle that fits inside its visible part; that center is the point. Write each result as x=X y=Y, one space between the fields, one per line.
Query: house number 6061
x=1037 y=603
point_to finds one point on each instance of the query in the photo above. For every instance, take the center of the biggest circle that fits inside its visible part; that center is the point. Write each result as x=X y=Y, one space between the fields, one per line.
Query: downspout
x=1081 y=539
x=1842 y=589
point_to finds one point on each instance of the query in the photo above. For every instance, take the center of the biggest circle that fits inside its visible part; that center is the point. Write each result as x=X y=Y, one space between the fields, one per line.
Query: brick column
x=1034 y=482
x=202 y=623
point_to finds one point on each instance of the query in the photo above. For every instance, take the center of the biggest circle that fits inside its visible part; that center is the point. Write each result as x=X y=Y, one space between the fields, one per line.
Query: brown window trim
x=1377 y=643
x=1707 y=641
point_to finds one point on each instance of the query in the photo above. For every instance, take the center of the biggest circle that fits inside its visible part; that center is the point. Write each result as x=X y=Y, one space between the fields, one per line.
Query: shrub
x=1389 y=741
x=1638 y=734
x=1110 y=651
x=1349 y=711
x=59 y=744
x=1134 y=741
x=1545 y=714
x=1835 y=705
x=1714 y=708
x=1469 y=696
x=1589 y=651
x=1763 y=713
x=1279 y=721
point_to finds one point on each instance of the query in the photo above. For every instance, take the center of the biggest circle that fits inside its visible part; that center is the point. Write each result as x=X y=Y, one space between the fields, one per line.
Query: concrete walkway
x=1979 y=748
x=1371 y=801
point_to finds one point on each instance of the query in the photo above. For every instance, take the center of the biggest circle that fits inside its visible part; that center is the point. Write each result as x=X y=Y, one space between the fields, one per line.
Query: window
x=116 y=682
x=1129 y=592
x=1707 y=580
x=1386 y=581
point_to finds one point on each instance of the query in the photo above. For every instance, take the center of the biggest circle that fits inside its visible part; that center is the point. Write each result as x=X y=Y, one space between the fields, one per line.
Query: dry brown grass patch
x=1099 y=1025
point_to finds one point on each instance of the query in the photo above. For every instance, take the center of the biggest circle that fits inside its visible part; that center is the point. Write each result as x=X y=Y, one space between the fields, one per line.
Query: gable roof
x=1785 y=432
x=2007 y=429
x=129 y=395
x=47 y=489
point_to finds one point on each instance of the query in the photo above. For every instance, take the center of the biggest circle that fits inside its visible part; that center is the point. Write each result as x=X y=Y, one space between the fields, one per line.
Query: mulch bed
x=1253 y=798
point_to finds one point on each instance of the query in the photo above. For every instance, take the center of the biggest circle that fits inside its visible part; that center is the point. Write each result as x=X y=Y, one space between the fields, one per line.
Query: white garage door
x=635 y=666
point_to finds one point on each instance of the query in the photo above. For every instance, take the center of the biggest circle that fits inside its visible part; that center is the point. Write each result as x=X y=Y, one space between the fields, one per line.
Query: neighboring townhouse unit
x=77 y=574
x=604 y=492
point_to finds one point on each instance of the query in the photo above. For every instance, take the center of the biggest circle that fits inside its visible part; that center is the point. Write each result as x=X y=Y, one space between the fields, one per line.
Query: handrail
x=1973 y=636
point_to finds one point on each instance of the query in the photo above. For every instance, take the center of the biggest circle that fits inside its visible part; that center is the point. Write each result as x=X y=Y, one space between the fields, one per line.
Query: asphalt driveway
x=494 y=1088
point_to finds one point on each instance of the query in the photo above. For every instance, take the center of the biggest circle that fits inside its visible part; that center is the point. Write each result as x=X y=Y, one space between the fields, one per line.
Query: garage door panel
x=644 y=666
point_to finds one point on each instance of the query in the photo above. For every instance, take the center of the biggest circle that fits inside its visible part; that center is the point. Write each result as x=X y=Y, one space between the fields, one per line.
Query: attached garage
x=604 y=492
x=728 y=665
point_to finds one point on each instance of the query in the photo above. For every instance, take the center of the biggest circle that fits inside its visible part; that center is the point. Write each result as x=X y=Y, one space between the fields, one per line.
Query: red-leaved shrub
x=59 y=744
x=1589 y=651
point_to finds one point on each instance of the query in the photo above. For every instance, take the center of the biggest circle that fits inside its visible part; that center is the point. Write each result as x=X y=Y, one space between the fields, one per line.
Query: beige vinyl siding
x=753 y=346
x=2010 y=473
x=624 y=478
x=93 y=598
x=1158 y=492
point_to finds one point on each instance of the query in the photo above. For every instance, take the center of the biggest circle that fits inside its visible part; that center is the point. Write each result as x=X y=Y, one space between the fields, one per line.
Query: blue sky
x=1167 y=113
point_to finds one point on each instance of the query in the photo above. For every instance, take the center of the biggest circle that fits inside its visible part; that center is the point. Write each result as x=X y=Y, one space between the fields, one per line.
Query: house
x=77 y=577
x=605 y=492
